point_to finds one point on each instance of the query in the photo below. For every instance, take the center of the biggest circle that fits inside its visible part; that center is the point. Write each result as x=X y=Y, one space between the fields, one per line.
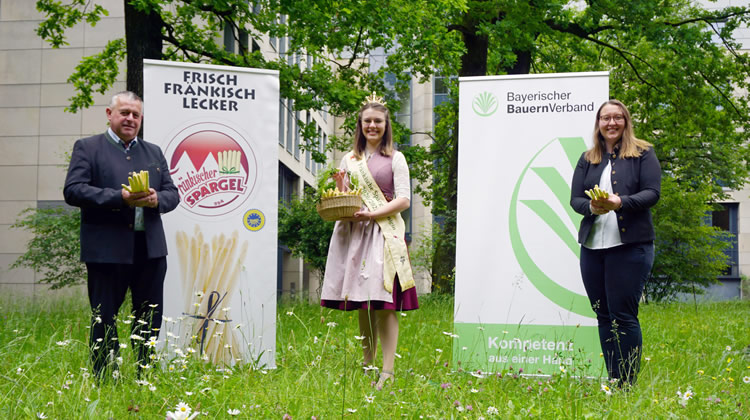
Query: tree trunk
x=143 y=37
x=523 y=63
x=473 y=63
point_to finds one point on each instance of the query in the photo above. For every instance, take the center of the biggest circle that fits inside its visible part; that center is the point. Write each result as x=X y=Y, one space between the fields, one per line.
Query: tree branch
x=706 y=19
x=424 y=133
x=187 y=50
x=726 y=98
x=356 y=47
x=578 y=31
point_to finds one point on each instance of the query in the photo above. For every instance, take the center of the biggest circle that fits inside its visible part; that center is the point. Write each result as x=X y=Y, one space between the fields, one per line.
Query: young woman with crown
x=368 y=267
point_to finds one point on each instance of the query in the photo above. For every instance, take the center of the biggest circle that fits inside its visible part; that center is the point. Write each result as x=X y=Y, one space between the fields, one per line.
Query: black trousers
x=614 y=280
x=107 y=287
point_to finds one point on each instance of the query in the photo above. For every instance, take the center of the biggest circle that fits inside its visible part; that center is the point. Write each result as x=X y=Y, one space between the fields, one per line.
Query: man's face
x=125 y=118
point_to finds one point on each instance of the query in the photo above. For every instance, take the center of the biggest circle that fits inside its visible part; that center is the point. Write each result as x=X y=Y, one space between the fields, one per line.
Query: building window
x=289 y=125
x=282 y=40
x=287 y=184
x=307 y=143
x=726 y=220
x=230 y=43
x=319 y=141
x=403 y=98
x=228 y=39
x=296 y=135
x=287 y=192
x=440 y=94
x=272 y=39
x=282 y=114
x=323 y=145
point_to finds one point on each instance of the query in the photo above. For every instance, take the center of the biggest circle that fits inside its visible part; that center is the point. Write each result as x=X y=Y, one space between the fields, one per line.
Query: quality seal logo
x=214 y=167
x=539 y=210
x=254 y=220
x=484 y=104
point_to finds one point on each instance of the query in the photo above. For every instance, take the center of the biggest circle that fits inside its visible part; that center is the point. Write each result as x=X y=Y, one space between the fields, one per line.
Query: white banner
x=520 y=301
x=218 y=128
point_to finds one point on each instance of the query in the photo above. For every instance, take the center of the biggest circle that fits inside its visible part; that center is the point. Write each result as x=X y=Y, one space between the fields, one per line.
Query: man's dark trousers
x=107 y=287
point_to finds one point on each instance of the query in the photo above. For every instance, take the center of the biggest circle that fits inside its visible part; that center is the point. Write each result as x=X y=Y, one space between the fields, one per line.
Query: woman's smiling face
x=611 y=123
x=373 y=125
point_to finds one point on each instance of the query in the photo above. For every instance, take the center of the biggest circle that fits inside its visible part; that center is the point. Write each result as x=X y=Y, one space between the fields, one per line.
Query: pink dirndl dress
x=354 y=269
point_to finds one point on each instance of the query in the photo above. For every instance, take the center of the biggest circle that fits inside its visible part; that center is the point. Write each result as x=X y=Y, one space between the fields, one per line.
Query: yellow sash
x=395 y=254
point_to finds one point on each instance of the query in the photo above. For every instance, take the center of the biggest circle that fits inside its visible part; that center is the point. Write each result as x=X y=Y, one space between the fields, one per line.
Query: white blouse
x=605 y=232
x=401 y=178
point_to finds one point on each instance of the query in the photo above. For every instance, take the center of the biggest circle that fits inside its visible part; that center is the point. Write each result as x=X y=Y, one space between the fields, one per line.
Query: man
x=122 y=238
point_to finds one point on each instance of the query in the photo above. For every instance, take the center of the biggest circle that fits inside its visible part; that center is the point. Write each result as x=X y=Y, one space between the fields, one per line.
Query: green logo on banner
x=560 y=189
x=484 y=104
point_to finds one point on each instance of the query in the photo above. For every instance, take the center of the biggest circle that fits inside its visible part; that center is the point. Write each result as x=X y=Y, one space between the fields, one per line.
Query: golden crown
x=374 y=99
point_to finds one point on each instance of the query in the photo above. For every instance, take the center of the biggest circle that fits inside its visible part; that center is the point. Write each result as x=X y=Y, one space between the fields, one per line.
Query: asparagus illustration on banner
x=210 y=276
x=229 y=162
x=138 y=182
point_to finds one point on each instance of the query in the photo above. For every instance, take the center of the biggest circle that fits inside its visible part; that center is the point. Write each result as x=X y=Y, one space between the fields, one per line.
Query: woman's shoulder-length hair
x=630 y=145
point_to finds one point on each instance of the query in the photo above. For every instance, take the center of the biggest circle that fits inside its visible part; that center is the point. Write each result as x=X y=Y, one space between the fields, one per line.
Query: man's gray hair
x=125 y=94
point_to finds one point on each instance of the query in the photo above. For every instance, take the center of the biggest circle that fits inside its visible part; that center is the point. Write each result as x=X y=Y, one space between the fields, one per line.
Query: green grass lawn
x=44 y=369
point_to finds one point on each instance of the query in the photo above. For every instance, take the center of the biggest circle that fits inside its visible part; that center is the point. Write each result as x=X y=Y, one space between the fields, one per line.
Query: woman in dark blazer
x=616 y=233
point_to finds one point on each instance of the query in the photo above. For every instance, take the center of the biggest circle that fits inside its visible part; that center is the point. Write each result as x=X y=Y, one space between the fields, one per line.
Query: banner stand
x=218 y=128
x=520 y=304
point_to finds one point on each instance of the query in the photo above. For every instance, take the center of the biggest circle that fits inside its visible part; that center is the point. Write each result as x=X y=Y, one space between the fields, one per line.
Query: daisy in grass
x=606 y=389
x=746 y=379
x=233 y=412
x=684 y=397
x=182 y=412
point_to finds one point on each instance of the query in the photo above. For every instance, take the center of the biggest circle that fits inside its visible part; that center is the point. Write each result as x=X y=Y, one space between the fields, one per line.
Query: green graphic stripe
x=573 y=147
x=561 y=296
x=545 y=212
x=555 y=182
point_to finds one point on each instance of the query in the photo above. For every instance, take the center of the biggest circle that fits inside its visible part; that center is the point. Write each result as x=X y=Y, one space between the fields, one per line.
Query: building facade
x=37 y=133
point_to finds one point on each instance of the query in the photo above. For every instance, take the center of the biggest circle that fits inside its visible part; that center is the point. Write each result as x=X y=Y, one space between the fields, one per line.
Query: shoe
x=384 y=378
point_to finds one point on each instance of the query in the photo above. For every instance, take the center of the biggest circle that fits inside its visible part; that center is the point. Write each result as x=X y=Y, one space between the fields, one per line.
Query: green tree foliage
x=54 y=250
x=673 y=63
x=689 y=253
x=303 y=231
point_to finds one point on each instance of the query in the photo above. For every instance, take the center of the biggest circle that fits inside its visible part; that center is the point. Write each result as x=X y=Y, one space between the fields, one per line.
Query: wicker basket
x=339 y=207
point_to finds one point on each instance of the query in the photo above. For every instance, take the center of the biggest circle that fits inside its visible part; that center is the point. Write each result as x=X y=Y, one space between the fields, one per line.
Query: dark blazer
x=638 y=183
x=98 y=167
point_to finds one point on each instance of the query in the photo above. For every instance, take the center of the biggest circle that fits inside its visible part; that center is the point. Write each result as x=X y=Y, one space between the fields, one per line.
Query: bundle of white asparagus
x=210 y=278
